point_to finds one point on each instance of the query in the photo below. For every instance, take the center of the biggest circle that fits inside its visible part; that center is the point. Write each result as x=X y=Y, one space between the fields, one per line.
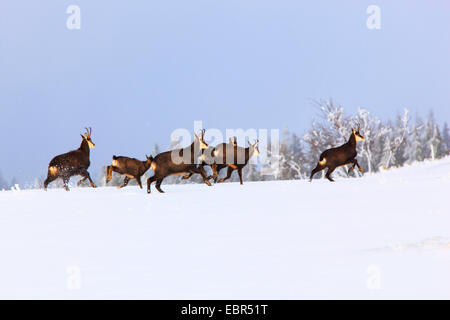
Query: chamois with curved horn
x=216 y=158
x=340 y=156
x=208 y=158
x=131 y=168
x=73 y=163
x=236 y=161
x=179 y=162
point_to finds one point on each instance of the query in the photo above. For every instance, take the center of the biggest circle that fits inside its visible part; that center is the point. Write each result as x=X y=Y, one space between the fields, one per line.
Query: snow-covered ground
x=382 y=236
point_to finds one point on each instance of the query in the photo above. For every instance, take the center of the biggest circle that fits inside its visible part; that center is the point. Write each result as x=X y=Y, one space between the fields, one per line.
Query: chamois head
x=357 y=134
x=87 y=137
x=233 y=141
x=200 y=139
x=148 y=160
x=253 y=148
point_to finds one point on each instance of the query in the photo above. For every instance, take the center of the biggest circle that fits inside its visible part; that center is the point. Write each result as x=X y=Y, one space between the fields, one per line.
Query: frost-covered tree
x=387 y=154
x=426 y=137
x=251 y=172
x=431 y=138
x=286 y=156
x=297 y=161
x=375 y=133
x=402 y=132
x=446 y=138
x=414 y=150
x=437 y=144
x=272 y=169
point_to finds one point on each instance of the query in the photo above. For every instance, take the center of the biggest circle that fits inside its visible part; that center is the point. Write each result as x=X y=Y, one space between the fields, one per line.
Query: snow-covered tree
x=286 y=156
x=437 y=145
x=431 y=138
x=297 y=160
x=374 y=131
x=414 y=150
x=388 y=155
x=446 y=138
x=251 y=172
x=272 y=169
x=402 y=131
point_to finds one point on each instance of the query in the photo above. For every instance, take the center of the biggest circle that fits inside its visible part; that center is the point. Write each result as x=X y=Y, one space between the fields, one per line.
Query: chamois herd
x=187 y=161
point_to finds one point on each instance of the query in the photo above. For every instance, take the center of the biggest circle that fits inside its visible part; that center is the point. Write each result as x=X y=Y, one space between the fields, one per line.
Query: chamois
x=129 y=167
x=238 y=161
x=163 y=165
x=221 y=150
x=73 y=163
x=208 y=158
x=340 y=156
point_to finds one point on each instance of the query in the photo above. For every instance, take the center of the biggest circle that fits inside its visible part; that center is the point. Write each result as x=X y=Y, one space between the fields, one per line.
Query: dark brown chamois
x=236 y=161
x=215 y=158
x=340 y=156
x=129 y=167
x=208 y=158
x=179 y=162
x=73 y=163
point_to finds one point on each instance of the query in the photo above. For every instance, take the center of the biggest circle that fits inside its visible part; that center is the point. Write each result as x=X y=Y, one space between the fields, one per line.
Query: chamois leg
x=229 y=172
x=329 y=172
x=240 y=174
x=316 y=169
x=200 y=170
x=81 y=181
x=204 y=176
x=202 y=167
x=158 y=185
x=66 y=182
x=359 y=168
x=138 y=179
x=49 y=179
x=125 y=182
x=86 y=175
x=185 y=177
x=109 y=170
x=215 y=171
x=149 y=182
x=355 y=164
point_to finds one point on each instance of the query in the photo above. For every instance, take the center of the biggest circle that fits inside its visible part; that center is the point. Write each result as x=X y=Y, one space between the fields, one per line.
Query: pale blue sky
x=137 y=70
